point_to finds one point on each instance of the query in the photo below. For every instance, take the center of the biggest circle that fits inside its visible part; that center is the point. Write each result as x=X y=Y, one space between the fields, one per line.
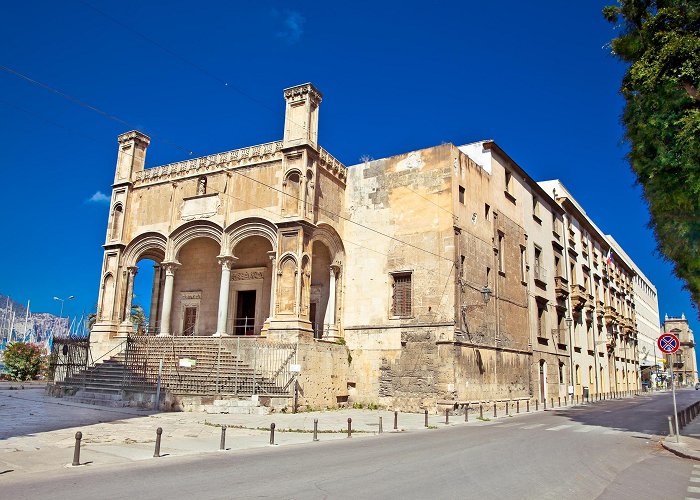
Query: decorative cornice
x=300 y=91
x=205 y=164
x=330 y=164
x=135 y=136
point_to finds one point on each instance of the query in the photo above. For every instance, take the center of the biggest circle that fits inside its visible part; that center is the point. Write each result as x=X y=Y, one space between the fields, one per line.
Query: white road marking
x=558 y=427
x=695 y=479
x=533 y=426
x=693 y=489
x=584 y=429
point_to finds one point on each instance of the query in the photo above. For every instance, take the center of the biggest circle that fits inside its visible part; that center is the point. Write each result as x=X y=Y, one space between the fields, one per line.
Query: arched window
x=578 y=375
x=292 y=190
x=117 y=216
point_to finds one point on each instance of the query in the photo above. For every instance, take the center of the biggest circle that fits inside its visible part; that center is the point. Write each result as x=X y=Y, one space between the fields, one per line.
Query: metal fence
x=69 y=357
x=207 y=365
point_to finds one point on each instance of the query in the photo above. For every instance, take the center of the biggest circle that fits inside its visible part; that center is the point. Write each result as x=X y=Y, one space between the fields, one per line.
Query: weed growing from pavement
x=484 y=419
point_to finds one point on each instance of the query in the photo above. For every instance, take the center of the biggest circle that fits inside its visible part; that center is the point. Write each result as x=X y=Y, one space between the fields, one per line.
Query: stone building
x=429 y=278
x=685 y=365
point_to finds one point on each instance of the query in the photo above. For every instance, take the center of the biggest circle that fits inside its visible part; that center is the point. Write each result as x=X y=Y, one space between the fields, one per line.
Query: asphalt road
x=609 y=450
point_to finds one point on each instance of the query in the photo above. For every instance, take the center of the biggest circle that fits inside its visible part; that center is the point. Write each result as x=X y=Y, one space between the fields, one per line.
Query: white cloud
x=98 y=197
x=292 y=25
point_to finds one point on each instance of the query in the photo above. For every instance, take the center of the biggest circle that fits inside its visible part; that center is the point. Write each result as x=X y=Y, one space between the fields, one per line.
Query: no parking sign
x=668 y=343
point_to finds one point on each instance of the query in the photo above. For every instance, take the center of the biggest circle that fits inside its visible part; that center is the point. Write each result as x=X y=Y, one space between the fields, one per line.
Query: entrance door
x=190 y=320
x=543 y=381
x=245 y=312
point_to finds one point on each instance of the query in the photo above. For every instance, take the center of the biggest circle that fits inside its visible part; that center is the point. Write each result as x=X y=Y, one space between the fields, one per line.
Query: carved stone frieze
x=257 y=273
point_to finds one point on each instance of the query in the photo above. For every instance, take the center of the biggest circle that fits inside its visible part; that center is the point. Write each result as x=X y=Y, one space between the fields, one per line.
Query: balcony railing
x=560 y=335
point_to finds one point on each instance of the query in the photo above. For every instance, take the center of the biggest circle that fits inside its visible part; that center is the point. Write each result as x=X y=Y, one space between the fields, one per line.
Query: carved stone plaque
x=200 y=207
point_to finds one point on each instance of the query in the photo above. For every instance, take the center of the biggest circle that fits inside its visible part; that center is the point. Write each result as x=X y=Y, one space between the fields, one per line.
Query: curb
x=678 y=452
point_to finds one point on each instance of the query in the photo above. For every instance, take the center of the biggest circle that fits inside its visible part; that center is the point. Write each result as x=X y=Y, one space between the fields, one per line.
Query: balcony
x=578 y=297
x=540 y=275
x=609 y=315
x=561 y=287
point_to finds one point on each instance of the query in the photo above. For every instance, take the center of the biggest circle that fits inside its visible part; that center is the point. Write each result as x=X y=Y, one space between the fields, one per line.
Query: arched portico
x=328 y=256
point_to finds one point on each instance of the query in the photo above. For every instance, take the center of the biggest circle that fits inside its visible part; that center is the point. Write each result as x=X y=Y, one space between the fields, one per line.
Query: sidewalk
x=37 y=433
x=689 y=441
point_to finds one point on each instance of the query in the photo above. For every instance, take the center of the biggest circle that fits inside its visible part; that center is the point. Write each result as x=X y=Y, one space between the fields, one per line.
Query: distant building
x=684 y=361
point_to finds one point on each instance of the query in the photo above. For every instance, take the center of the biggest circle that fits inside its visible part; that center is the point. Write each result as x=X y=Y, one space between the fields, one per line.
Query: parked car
x=697 y=386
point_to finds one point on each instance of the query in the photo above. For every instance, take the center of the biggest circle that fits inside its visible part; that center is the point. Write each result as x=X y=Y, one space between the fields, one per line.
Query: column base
x=287 y=329
x=330 y=332
x=219 y=334
x=125 y=328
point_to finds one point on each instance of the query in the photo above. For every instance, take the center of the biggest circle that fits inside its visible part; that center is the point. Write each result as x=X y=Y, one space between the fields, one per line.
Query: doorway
x=245 y=312
x=312 y=318
x=189 y=322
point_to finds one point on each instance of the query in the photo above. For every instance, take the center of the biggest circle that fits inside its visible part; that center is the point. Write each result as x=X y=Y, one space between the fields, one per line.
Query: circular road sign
x=668 y=343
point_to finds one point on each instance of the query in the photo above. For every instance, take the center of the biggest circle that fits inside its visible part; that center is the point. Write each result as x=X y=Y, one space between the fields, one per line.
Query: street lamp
x=62 y=301
x=486 y=294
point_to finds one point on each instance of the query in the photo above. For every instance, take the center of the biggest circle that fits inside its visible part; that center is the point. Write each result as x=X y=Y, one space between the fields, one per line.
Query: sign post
x=668 y=343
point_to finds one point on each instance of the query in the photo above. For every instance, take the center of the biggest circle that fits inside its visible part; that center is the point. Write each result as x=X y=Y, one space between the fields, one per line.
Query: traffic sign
x=668 y=343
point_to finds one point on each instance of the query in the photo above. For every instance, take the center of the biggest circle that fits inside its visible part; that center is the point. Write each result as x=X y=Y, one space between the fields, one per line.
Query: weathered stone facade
x=414 y=281
x=685 y=365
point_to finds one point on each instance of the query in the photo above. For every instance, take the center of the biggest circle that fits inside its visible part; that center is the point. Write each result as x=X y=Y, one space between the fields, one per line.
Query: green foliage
x=23 y=361
x=660 y=40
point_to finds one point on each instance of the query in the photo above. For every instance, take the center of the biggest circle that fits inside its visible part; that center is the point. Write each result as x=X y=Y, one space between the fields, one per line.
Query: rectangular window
x=541 y=323
x=487 y=212
x=536 y=209
x=523 y=264
x=461 y=195
x=501 y=259
x=509 y=183
x=401 y=297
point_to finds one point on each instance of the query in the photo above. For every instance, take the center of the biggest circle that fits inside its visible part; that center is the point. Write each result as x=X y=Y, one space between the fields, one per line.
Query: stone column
x=225 y=261
x=155 y=295
x=167 y=297
x=131 y=274
x=273 y=280
x=330 y=307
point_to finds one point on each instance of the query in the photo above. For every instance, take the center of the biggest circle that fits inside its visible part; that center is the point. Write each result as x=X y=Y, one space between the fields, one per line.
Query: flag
x=608 y=258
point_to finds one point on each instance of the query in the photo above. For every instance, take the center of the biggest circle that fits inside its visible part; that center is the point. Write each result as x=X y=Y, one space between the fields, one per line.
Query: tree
x=660 y=41
x=23 y=361
x=138 y=317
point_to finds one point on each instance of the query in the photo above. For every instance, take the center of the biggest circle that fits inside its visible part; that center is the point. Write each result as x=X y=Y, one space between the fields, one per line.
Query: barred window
x=401 y=297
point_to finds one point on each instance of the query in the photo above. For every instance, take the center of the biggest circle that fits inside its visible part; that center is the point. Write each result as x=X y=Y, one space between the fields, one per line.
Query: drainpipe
x=568 y=302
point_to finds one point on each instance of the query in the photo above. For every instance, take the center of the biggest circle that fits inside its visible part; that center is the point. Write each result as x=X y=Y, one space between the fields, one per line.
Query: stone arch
x=145 y=246
x=286 y=284
x=252 y=226
x=305 y=285
x=190 y=231
x=327 y=235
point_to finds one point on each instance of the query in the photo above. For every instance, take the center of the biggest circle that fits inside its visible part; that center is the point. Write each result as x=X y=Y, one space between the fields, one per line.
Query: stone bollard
x=222 y=442
x=159 y=433
x=381 y=427
x=447 y=416
x=396 y=420
x=272 y=433
x=349 y=427
x=670 y=426
x=426 y=417
x=316 y=428
x=76 y=450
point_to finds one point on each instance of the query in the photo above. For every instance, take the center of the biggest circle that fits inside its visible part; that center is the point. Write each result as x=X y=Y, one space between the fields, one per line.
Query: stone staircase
x=192 y=367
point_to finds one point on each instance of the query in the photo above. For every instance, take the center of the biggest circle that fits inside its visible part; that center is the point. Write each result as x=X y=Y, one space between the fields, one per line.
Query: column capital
x=170 y=267
x=226 y=261
x=335 y=269
x=133 y=270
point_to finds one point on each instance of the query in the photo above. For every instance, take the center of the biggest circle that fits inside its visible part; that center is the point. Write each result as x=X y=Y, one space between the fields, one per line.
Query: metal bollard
x=222 y=443
x=537 y=404
x=349 y=427
x=447 y=416
x=559 y=398
x=396 y=420
x=552 y=404
x=544 y=404
x=481 y=411
x=670 y=426
x=576 y=398
x=316 y=428
x=507 y=409
x=494 y=410
x=426 y=417
x=517 y=406
x=466 y=413
x=381 y=427
x=527 y=408
x=159 y=433
x=76 y=450
x=272 y=433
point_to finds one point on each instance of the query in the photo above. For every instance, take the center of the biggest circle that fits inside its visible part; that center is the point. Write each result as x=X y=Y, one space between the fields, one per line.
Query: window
x=487 y=212
x=590 y=375
x=578 y=375
x=561 y=373
x=509 y=183
x=541 y=323
x=572 y=276
x=536 y=210
x=523 y=264
x=462 y=258
x=557 y=265
x=401 y=297
x=539 y=270
x=461 y=195
x=501 y=260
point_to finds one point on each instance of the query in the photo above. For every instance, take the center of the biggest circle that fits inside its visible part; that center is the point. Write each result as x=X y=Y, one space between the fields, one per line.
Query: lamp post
x=485 y=297
x=569 y=321
x=62 y=301
x=595 y=362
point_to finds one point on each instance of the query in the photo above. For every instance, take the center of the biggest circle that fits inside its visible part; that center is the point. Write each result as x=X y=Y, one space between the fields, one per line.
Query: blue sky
x=208 y=77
